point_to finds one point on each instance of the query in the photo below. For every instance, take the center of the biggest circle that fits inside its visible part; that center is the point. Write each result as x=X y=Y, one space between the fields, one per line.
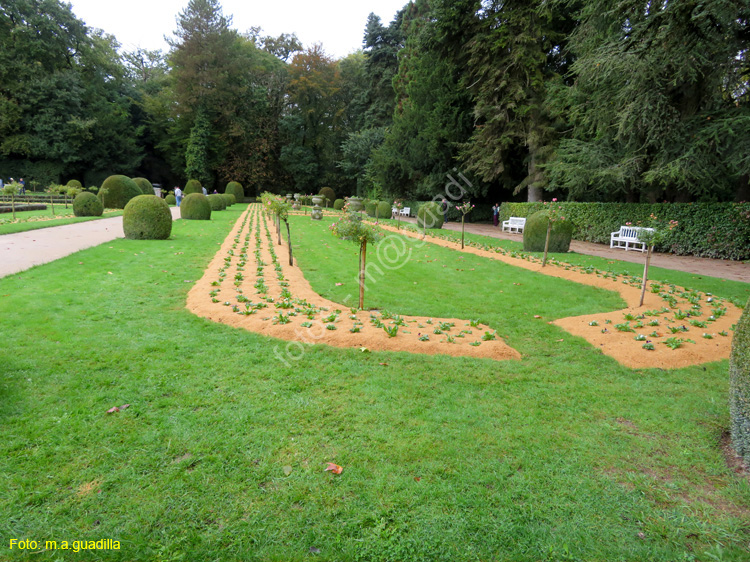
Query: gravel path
x=23 y=250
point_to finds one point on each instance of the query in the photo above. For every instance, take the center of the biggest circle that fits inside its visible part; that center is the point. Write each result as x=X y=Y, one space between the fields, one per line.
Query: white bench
x=514 y=224
x=627 y=237
x=406 y=211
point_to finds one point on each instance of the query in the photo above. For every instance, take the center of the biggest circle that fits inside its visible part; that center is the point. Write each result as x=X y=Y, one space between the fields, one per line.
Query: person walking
x=178 y=195
x=23 y=186
x=496 y=214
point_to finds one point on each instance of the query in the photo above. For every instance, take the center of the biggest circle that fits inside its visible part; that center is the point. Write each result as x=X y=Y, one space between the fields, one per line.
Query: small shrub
x=195 y=206
x=739 y=386
x=236 y=189
x=217 y=201
x=74 y=183
x=339 y=204
x=147 y=217
x=535 y=234
x=229 y=198
x=430 y=215
x=193 y=186
x=370 y=208
x=145 y=186
x=87 y=204
x=329 y=194
x=171 y=199
x=117 y=190
x=384 y=210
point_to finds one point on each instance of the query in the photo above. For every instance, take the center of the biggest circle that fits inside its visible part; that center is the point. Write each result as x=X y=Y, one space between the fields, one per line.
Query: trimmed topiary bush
x=739 y=386
x=147 y=217
x=329 y=194
x=370 y=208
x=384 y=210
x=429 y=215
x=117 y=190
x=75 y=183
x=236 y=189
x=339 y=204
x=217 y=201
x=171 y=199
x=193 y=186
x=195 y=206
x=535 y=234
x=87 y=204
x=145 y=186
x=229 y=198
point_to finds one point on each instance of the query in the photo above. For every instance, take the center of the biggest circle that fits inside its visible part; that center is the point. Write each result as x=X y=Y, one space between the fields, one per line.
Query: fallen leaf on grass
x=287 y=470
x=124 y=406
x=364 y=350
x=336 y=469
x=537 y=316
x=339 y=284
x=383 y=364
x=113 y=410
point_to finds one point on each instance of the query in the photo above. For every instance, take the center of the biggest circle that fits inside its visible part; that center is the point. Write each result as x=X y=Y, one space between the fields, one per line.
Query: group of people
x=20 y=181
x=178 y=195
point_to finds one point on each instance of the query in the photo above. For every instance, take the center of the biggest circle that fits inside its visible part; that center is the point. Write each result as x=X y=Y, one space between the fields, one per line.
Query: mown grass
x=564 y=455
x=34 y=220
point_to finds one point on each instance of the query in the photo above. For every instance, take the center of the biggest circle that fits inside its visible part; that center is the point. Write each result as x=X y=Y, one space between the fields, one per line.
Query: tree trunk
x=546 y=242
x=52 y=204
x=645 y=274
x=362 y=256
x=462 y=231
x=289 y=239
x=278 y=228
x=13 y=204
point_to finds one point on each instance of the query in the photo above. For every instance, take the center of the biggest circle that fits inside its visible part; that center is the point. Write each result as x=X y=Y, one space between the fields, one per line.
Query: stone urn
x=316 y=213
x=355 y=204
x=288 y=196
x=297 y=196
x=317 y=200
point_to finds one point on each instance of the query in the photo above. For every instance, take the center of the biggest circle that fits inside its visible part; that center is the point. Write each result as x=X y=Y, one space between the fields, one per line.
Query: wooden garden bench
x=514 y=224
x=627 y=237
x=406 y=211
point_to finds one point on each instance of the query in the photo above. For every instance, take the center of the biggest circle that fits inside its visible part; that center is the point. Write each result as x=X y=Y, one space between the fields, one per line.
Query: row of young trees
x=591 y=99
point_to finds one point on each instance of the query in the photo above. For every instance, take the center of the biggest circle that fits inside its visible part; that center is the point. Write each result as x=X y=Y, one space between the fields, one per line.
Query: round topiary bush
x=384 y=210
x=145 y=186
x=339 y=204
x=75 y=183
x=193 y=186
x=535 y=233
x=739 y=386
x=116 y=191
x=329 y=194
x=171 y=199
x=217 y=201
x=87 y=204
x=430 y=215
x=147 y=217
x=370 y=207
x=236 y=189
x=195 y=206
x=229 y=198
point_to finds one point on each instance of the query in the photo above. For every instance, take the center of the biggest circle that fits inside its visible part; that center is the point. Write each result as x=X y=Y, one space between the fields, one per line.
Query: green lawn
x=564 y=455
x=33 y=220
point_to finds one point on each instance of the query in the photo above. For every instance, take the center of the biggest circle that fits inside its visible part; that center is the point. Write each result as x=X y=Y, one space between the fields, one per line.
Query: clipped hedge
x=329 y=194
x=229 y=198
x=236 y=189
x=384 y=210
x=217 y=201
x=339 y=204
x=146 y=187
x=712 y=230
x=370 y=207
x=87 y=204
x=171 y=199
x=117 y=190
x=429 y=215
x=147 y=217
x=195 y=206
x=739 y=386
x=193 y=186
x=535 y=234
x=74 y=183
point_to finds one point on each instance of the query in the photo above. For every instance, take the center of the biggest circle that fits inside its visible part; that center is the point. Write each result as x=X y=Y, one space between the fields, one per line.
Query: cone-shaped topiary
x=145 y=186
x=384 y=210
x=339 y=204
x=329 y=194
x=739 y=386
x=217 y=201
x=430 y=215
x=236 y=189
x=370 y=207
x=535 y=234
x=116 y=191
x=171 y=199
x=87 y=204
x=75 y=183
x=193 y=186
x=147 y=217
x=229 y=198
x=195 y=206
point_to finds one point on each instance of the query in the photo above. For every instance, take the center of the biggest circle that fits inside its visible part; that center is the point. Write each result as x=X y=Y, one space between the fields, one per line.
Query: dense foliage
x=217 y=201
x=87 y=204
x=739 y=390
x=147 y=217
x=117 y=190
x=146 y=186
x=430 y=215
x=236 y=189
x=195 y=206
x=535 y=234
x=193 y=186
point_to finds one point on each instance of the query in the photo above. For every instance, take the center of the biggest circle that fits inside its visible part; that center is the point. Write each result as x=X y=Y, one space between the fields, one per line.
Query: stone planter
x=355 y=204
x=317 y=200
x=317 y=213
